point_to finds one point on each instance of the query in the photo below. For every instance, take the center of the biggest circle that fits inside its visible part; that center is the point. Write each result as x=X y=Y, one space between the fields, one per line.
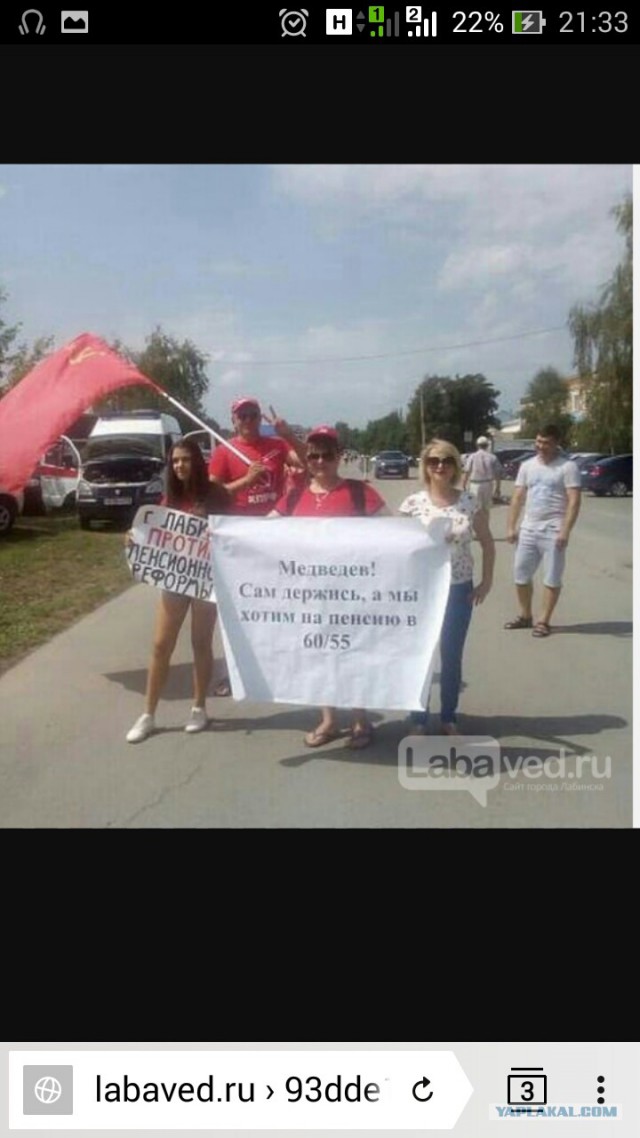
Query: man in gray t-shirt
x=548 y=486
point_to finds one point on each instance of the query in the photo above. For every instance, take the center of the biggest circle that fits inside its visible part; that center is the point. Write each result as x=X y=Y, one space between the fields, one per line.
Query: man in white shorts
x=548 y=486
x=481 y=470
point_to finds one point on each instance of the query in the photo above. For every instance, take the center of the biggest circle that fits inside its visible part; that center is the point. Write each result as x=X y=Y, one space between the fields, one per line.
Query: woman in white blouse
x=441 y=471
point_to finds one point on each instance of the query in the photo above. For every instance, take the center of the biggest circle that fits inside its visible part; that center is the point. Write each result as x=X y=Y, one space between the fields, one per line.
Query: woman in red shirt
x=189 y=490
x=325 y=494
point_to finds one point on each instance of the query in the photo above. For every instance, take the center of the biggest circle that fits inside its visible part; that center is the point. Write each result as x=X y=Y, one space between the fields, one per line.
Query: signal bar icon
x=429 y=26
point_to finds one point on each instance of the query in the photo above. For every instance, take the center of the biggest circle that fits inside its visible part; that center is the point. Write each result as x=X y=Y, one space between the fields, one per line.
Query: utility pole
x=422 y=431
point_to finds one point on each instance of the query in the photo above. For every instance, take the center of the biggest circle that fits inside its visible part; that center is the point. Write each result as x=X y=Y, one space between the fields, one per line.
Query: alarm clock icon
x=294 y=22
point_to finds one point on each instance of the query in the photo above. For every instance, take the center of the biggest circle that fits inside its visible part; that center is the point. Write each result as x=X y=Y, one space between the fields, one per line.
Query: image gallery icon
x=77 y=22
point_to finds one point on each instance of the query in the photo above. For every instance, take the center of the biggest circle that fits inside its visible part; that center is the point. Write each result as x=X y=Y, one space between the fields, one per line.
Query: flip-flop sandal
x=319 y=738
x=520 y=622
x=223 y=689
x=360 y=739
x=541 y=629
x=448 y=729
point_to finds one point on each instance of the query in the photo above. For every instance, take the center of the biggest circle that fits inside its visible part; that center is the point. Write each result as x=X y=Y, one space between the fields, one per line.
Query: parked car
x=613 y=475
x=54 y=481
x=204 y=440
x=11 y=505
x=391 y=464
x=512 y=466
x=511 y=453
x=586 y=459
x=123 y=466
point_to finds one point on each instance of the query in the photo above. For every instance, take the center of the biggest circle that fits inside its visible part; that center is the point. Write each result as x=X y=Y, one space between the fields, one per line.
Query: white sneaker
x=141 y=728
x=197 y=720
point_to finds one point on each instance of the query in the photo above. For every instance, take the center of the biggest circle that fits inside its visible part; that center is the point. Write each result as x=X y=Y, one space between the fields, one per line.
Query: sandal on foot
x=321 y=736
x=223 y=689
x=520 y=622
x=448 y=729
x=541 y=629
x=361 y=738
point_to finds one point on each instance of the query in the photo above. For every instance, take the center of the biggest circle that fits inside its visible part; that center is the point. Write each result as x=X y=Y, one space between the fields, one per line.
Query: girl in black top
x=189 y=490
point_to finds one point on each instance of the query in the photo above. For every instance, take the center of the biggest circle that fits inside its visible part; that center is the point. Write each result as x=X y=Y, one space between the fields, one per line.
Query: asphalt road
x=65 y=710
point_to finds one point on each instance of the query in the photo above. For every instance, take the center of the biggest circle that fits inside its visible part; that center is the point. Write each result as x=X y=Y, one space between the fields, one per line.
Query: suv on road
x=123 y=466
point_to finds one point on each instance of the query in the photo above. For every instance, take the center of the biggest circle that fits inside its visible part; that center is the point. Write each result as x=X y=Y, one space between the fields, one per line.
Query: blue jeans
x=454 y=633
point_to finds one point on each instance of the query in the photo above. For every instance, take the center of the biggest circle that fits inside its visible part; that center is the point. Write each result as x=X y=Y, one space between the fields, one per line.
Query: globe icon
x=47 y=1089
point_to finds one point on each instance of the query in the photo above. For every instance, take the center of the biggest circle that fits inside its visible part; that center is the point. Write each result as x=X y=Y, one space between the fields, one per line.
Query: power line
x=393 y=355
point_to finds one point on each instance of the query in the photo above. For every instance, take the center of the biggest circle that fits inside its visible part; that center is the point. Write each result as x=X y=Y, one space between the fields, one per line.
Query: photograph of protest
x=316 y=496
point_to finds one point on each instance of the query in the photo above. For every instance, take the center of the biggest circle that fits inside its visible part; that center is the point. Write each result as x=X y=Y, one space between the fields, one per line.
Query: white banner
x=344 y=612
x=171 y=550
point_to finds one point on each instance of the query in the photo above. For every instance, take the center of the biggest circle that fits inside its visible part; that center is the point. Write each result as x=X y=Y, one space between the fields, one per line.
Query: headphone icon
x=24 y=23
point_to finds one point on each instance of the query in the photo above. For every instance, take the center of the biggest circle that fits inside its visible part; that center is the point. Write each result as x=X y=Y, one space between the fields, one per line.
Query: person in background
x=326 y=494
x=189 y=490
x=254 y=487
x=549 y=487
x=441 y=471
x=482 y=470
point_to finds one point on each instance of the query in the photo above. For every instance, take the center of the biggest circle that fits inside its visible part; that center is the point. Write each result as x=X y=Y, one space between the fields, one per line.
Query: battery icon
x=527 y=23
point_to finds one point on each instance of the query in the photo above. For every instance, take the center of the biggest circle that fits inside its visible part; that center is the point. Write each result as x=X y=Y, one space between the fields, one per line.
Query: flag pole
x=204 y=426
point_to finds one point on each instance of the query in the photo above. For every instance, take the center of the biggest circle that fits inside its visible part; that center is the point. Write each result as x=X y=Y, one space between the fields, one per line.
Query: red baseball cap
x=244 y=401
x=323 y=433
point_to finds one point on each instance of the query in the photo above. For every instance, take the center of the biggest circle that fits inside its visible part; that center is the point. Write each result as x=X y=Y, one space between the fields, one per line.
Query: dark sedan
x=391 y=464
x=612 y=475
x=585 y=459
x=512 y=466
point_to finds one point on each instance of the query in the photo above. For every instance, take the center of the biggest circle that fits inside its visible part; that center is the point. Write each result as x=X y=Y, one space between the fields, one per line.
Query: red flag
x=52 y=396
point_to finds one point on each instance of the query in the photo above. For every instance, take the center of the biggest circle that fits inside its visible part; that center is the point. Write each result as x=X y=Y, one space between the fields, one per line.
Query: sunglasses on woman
x=246 y=414
x=325 y=455
x=433 y=463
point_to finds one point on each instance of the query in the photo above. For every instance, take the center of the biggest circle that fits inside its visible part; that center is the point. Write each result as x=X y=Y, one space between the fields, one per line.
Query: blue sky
x=283 y=274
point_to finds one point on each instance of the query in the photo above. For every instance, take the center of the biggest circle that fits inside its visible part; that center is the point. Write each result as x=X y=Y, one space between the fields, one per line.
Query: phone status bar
x=364 y=26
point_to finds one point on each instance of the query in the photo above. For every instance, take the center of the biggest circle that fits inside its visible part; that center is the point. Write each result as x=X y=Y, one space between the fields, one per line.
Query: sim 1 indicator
x=376 y=16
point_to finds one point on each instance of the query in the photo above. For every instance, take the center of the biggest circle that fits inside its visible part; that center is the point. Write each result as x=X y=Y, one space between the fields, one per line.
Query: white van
x=123 y=465
x=159 y=430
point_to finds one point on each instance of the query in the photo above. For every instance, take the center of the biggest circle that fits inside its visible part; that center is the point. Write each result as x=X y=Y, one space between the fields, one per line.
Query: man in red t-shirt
x=255 y=488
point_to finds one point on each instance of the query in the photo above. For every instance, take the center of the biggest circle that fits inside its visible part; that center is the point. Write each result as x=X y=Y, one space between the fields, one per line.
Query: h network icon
x=339 y=22
x=47 y=1089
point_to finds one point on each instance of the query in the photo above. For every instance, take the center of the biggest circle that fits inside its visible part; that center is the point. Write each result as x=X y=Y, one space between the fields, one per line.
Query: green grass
x=51 y=574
